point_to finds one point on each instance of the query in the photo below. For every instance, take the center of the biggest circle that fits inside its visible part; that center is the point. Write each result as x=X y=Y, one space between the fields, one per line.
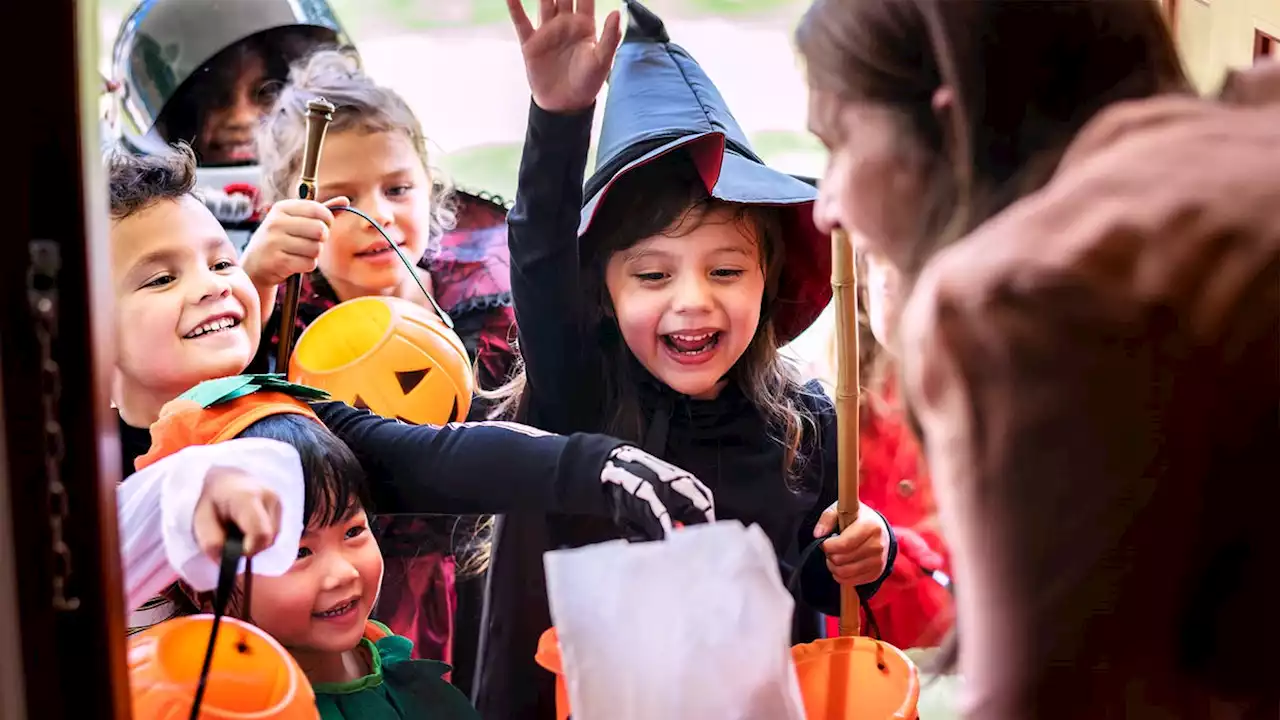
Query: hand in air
x=289 y=239
x=233 y=496
x=565 y=62
x=652 y=495
x=860 y=552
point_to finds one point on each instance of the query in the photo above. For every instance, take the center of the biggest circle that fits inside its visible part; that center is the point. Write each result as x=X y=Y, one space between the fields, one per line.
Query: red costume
x=913 y=607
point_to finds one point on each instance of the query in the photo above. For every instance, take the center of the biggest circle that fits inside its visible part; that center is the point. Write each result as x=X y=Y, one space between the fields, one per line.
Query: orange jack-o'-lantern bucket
x=251 y=677
x=390 y=356
x=844 y=678
x=548 y=656
x=856 y=678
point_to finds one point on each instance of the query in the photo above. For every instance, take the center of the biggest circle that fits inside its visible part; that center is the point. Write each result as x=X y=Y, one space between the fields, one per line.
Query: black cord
x=232 y=550
x=793 y=583
x=448 y=321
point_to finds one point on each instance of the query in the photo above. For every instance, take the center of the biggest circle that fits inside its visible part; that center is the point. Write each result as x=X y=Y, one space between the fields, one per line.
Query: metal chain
x=42 y=295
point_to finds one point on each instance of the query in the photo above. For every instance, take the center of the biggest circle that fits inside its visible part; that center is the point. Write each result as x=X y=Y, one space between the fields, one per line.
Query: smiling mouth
x=212 y=327
x=377 y=250
x=691 y=345
x=338 y=611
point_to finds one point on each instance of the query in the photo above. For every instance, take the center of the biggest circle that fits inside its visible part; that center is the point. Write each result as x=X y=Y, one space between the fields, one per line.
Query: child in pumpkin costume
x=319 y=609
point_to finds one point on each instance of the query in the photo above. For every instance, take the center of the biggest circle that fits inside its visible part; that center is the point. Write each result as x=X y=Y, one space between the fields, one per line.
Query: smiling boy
x=187 y=311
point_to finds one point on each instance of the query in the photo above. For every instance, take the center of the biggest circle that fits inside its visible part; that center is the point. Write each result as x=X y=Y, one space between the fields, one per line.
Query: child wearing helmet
x=203 y=73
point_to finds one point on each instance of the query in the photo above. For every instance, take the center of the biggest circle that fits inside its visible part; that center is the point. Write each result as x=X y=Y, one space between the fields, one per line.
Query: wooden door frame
x=70 y=662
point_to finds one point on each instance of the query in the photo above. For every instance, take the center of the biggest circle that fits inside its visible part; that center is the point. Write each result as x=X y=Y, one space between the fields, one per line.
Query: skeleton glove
x=650 y=495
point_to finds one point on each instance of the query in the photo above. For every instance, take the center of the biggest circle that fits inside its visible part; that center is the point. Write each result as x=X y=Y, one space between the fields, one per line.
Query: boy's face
x=185 y=310
x=321 y=605
x=689 y=305
x=382 y=175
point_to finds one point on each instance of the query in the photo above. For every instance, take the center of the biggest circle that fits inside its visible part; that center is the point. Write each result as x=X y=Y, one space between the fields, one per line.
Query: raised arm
x=566 y=66
x=498 y=467
x=543 y=239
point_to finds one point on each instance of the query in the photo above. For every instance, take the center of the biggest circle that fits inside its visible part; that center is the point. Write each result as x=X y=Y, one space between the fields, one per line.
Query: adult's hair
x=136 y=182
x=1025 y=76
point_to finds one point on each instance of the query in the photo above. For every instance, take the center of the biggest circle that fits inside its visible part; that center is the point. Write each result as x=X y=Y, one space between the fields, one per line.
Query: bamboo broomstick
x=844 y=287
x=319 y=115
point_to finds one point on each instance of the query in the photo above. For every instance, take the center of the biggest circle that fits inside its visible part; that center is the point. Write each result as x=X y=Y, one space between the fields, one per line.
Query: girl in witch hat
x=652 y=304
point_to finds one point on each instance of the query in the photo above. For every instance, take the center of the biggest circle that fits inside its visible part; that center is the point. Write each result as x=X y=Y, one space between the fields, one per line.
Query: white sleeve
x=156 y=511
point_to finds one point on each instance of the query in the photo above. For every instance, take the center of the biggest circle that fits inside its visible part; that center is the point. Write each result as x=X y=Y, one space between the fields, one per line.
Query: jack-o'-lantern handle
x=319 y=115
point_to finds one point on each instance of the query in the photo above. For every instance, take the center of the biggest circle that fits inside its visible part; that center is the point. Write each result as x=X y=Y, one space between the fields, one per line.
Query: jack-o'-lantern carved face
x=389 y=356
x=252 y=676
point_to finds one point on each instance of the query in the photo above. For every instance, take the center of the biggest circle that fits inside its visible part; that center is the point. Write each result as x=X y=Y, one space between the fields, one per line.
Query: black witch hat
x=659 y=101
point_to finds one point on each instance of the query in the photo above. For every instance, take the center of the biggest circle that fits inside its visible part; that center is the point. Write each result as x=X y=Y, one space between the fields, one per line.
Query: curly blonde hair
x=361 y=104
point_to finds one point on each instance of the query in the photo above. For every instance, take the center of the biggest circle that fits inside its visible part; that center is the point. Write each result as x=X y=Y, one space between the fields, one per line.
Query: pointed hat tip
x=644 y=24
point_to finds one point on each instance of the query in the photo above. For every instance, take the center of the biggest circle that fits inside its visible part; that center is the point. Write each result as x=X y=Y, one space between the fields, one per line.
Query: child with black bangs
x=319 y=609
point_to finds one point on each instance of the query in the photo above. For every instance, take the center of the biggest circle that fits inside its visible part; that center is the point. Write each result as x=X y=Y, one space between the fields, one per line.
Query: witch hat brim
x=660 y=101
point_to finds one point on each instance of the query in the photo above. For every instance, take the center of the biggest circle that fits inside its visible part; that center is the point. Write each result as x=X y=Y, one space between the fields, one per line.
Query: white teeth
x=338 y=610
x=211 y=327
x=693 y=338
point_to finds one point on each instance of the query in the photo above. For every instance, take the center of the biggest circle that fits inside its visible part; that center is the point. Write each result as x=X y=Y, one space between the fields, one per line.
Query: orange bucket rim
x=289 y=694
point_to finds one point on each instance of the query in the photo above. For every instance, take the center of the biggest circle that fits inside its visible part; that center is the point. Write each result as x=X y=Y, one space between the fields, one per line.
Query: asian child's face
x=322 y=604
x=382 y=175
x=689 y=305
x=185 y=310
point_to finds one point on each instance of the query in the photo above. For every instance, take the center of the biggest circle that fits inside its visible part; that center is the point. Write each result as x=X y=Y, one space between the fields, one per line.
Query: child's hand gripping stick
x=319 y=115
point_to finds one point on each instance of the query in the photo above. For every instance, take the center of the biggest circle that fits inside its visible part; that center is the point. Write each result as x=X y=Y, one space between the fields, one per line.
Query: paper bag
x=697 y=627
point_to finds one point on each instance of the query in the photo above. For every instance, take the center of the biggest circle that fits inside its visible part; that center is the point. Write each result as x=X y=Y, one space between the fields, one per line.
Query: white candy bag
x=697 y=627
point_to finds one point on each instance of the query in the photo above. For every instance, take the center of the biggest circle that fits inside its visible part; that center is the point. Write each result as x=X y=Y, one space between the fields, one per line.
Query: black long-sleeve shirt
x=458 y=469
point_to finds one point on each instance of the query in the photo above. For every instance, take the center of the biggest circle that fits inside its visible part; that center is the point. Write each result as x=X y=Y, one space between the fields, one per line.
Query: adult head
x=939 y=113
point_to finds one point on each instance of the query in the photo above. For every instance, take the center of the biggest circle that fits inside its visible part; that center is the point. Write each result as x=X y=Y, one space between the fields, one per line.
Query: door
x=61 y=606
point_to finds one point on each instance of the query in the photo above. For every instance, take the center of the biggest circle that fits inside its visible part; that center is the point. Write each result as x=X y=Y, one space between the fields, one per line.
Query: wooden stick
x=844 y=287
x=319 y=115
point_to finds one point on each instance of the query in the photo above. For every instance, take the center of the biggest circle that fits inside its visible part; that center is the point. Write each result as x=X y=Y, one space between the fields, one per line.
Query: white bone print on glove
x=653 y=494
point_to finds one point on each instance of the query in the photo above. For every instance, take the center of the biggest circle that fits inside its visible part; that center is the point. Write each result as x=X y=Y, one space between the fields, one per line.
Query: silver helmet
x=164 y=46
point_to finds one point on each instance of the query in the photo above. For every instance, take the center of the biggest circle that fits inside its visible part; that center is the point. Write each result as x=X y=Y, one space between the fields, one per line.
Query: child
x=187 y=313
x=662 y=324
x=212 y=92
x=375 y=159
x=319 y=609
